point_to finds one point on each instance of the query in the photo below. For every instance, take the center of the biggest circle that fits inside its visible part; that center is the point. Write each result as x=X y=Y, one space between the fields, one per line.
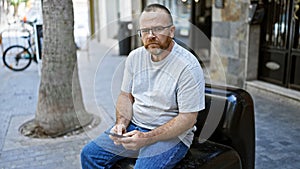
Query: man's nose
x=151 y=34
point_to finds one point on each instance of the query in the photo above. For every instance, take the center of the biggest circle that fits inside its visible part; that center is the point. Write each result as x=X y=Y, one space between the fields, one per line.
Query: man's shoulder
x=136 y=56
x=185 y=56
x=138 y=51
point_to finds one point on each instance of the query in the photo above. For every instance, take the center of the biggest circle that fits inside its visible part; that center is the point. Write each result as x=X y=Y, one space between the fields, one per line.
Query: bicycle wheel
x=17 y=58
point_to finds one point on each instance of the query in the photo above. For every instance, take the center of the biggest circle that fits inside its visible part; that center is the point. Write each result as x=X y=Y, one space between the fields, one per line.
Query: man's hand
x=119 y=129
x=135 y=140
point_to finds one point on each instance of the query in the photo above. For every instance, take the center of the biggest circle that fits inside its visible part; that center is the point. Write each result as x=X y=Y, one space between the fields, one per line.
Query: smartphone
x=114 y=134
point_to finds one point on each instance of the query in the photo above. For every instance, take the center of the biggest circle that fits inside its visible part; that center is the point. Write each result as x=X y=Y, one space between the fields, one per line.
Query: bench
x=225 y=136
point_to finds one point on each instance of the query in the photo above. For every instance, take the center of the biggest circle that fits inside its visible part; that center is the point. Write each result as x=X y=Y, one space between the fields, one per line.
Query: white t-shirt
x=163 y=89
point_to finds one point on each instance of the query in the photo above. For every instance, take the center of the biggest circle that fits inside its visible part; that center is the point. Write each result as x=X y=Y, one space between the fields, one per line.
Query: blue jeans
x=103 y=153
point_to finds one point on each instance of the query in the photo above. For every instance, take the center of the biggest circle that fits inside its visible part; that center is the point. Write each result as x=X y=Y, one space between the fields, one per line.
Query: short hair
x=156 y=7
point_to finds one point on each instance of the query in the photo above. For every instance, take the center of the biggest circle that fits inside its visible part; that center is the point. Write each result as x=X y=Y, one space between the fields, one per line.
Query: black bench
x=227 y=133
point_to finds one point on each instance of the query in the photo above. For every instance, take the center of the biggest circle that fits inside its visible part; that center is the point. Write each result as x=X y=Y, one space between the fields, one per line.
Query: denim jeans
x=103 y=153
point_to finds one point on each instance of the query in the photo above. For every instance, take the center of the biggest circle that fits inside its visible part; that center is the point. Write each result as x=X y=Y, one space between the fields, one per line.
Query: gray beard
x=156 y=51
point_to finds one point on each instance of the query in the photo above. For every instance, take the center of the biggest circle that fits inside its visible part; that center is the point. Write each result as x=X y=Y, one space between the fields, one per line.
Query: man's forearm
x=124 y=108
x=173 y=128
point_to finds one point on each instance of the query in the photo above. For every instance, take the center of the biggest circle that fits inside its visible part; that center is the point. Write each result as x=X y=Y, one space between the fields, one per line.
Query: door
x=200 y=29
x=279 y=58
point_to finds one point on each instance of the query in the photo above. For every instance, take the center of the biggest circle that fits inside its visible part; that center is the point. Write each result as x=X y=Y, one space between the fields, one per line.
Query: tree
x=60 y=106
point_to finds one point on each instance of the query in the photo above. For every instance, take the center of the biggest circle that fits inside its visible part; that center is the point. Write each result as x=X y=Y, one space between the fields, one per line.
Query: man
x=161 y=94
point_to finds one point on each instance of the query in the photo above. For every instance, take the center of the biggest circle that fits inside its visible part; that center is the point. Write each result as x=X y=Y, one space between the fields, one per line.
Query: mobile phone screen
x=114 y=134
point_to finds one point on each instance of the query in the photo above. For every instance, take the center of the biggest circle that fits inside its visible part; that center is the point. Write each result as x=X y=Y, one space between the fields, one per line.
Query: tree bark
x=16 y=10
x=60 y=106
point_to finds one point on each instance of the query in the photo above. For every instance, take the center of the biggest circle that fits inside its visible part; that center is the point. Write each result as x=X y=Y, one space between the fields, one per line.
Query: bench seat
x=227 y=127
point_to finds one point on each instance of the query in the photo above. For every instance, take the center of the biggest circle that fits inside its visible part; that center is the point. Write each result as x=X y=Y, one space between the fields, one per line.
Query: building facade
x=238 y=41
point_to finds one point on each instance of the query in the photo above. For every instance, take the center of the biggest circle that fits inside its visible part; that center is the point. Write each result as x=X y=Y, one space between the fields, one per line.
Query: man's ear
x=172 y=30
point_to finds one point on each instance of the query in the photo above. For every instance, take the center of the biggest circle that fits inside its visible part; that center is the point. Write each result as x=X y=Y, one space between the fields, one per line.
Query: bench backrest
x=228 y=118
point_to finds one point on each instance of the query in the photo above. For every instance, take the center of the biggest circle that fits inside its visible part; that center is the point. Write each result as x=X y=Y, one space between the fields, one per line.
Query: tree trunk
x=16 y=10
x=60 y=105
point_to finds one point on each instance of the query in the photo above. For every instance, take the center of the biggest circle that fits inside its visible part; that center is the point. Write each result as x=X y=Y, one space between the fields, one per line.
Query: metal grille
x=296 y=18
x=276 y=24
x=280 y=47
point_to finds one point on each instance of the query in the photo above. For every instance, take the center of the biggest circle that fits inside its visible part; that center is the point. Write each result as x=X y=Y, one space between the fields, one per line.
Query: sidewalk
x=100 y=70
x=18 y=100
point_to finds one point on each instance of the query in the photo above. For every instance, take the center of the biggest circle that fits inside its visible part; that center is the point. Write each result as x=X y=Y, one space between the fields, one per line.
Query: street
x=19 y=93
x=100 y=71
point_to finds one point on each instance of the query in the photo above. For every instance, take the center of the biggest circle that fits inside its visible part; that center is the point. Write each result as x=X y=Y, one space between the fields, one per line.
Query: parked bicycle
x=18 y=57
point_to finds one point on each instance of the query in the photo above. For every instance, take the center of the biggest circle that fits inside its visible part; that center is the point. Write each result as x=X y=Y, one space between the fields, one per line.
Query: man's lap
x=160 y=153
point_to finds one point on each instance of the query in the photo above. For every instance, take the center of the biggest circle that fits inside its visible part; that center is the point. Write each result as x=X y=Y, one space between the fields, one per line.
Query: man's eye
x=144 y=30
x=158 y=29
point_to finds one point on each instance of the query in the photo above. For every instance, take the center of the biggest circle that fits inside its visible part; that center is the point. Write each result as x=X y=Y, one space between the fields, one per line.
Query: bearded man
x=161 y=94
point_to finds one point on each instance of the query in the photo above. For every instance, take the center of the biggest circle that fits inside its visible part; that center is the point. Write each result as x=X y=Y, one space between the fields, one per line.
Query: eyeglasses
x=154 y=30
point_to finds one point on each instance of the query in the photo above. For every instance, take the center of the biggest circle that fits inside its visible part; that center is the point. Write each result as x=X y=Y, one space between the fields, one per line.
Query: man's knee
x=89 y=156
x=87 y=151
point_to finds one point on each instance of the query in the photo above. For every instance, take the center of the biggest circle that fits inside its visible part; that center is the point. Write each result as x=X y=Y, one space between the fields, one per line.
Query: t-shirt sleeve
x=127 y=76
x=190 y=91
